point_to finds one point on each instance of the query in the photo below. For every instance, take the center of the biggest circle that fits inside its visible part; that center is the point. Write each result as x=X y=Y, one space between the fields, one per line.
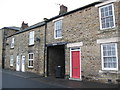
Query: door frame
x=74 y=49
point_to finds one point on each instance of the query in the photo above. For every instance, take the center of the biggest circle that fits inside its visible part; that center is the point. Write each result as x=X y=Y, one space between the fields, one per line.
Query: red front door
x=75 y=64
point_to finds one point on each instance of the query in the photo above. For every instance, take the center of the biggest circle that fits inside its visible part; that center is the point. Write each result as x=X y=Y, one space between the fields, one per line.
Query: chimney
x=63 y=9
x=24 y=25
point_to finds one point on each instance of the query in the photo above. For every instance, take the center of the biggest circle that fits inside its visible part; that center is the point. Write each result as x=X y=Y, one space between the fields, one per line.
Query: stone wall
x=1 y=48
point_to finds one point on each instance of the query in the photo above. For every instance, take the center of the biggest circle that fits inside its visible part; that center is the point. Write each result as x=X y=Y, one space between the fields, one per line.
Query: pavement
x=60 y=82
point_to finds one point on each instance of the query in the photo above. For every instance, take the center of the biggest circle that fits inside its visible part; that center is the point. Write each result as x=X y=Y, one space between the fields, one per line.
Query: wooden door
x=75 y=57
x=23 y=64
x=18 y=63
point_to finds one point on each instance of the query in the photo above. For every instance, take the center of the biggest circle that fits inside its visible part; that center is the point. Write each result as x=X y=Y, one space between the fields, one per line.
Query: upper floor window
x=107 y=18
x=31 y=38
x=58 y=29
x=12 y=43
x=11 y=60
x=30 y=60
x=109 y=56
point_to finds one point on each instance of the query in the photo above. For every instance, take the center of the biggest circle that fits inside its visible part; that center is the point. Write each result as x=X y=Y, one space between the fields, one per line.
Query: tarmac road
x=12 y=81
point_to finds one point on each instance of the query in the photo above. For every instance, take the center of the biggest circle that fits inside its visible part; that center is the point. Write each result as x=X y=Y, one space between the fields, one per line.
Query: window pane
x=58 y=33
x=110 y=12
x=31 y=63
x=110 y=8
x=111 y=19
x=103 y=21
x=114 y=65
x=111 y=22
x=104 y=47
x=114 y=59
x=107 y=22
x=106 y=13
x=106 y=9
x=30 y=56
x=102 y=10
x=102 y=15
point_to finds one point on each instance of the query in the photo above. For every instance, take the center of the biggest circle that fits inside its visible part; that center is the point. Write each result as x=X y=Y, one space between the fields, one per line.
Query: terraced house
x=4 y=32
x=84 y=42
x=25 y=49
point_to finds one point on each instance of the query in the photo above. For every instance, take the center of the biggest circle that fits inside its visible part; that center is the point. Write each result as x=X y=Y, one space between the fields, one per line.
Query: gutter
x=3 y=48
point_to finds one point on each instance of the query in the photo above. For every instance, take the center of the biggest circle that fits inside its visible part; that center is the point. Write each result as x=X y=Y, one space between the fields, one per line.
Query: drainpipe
x=45 y=51
x=3 y=48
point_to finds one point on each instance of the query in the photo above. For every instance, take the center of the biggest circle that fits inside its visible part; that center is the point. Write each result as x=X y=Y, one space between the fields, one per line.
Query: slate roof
x=35 y=26
x=12 y=28
x=29 y=28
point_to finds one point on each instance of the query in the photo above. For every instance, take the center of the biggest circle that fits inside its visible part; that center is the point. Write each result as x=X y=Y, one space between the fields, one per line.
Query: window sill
x=31 y=45
x=107 y=29
x=58 y=38
x=109 y=71
x=30 y=67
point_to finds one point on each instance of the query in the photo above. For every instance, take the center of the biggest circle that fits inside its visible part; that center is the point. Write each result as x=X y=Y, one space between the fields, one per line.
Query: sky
x=14 y=12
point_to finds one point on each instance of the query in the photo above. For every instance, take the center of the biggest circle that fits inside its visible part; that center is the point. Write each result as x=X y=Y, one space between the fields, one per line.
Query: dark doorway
x=55 y=57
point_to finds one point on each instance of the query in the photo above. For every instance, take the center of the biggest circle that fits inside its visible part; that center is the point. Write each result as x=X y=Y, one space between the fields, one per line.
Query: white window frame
x=12 y=42
x=11 y=60
x=103 y=68
x=108 y=16
x=56 y=29
x=31 y=37
x=30 y=60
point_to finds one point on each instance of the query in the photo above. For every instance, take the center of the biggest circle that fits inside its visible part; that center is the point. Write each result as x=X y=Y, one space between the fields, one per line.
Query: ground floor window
x=109 y=56
x=11 y=60
x=30 y=60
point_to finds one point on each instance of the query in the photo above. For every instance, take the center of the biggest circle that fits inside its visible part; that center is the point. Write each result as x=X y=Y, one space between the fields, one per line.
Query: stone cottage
x=25 y=51
x=84 y=43
x=4 y=32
